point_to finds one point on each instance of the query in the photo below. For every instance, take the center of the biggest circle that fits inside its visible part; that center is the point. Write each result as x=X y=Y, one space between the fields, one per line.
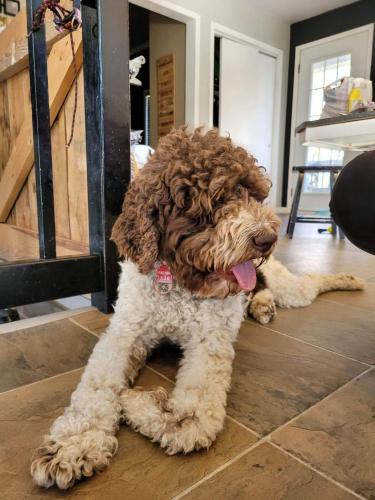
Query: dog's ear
x=135 y=232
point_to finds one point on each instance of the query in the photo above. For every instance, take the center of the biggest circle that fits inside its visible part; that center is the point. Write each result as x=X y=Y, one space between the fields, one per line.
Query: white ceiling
x=291 y=11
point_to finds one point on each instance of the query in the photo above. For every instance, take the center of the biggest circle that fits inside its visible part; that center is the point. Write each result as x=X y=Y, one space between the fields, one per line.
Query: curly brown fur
x=184 y=204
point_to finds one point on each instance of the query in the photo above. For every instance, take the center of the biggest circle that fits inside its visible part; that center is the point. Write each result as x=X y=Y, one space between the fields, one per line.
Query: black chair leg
x=332 y=180
x=334 y=176
x=295 y=205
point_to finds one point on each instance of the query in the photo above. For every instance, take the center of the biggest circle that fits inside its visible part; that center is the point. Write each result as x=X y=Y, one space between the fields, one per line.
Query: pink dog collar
x=163 y=278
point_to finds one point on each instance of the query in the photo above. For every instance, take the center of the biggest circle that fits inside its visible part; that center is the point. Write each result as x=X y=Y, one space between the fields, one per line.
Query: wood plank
x=33 y=211
x=23 y=208
x=60 y=75
x=5 y=141
x=14 y=106
x=17 y=244
x=60 y=176
x=19 y=104
x=77 y=170
x=14 y=55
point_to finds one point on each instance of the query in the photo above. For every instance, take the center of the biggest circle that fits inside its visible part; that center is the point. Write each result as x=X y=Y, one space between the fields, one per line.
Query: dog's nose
x=265 y=242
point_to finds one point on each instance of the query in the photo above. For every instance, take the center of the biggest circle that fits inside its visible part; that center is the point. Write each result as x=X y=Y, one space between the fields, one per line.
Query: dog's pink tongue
x=246 y=275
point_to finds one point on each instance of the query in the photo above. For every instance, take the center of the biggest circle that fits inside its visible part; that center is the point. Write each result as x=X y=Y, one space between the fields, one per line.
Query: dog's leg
x=195 y=413
x=262 y=306
x=289 y=290
x=83 y=440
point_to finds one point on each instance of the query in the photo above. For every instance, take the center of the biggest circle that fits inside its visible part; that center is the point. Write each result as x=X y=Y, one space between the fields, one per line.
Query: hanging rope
x=64 y=21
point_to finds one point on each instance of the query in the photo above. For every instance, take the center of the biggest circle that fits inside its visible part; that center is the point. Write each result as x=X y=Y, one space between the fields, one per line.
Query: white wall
x=245 y=16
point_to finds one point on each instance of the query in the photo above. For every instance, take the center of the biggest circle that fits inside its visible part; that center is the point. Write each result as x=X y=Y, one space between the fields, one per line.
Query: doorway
x=317 y=65
x=246 y=96
x=157 y=93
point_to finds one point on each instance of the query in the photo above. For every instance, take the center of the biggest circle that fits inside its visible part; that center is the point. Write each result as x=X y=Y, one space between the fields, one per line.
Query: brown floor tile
x=337 y=436
x=364 y=299
x=324 y=255
x=95 y=321
x=140 y=470
x=266 y=473
x=42 y=351
x=346 y=330
x=275 y=378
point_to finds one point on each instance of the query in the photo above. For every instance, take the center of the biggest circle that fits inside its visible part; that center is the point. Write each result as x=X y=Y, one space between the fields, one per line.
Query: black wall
x=332 y=22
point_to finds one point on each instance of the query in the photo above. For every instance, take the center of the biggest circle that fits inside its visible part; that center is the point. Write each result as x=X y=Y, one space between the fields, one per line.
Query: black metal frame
x=294 y=217
x=107 y=116
x=4 y=7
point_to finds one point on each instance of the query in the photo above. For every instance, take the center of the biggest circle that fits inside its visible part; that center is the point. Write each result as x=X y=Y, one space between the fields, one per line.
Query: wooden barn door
x=103 y=44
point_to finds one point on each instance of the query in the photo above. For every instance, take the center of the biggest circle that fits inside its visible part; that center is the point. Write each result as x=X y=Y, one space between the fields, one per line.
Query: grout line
x=317 y=471
x=308 y=343
x=268 y=439
x=255 y=433
x=160 y=374
x=41 y=380
x=97 y=335
x=218 y=469
x=328 y=396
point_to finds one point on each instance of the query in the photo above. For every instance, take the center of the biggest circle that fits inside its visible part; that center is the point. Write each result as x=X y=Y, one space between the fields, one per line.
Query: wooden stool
x=294 y=217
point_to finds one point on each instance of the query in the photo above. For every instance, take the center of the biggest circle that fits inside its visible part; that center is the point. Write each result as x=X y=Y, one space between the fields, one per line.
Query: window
x=323 y=73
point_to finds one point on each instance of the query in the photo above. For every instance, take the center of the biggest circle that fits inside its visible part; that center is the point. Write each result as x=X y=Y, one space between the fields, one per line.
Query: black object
x=107 y=116
x=294 y=217
x=5 y=4
x=8 y=316
x=353 y=201
x=28 y=282
x=41 y=135
x=107 y=104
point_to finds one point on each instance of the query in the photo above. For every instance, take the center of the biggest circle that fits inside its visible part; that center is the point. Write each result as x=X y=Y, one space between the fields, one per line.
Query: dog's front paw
x=176 y=428
x=262 y=307
x=68 y=460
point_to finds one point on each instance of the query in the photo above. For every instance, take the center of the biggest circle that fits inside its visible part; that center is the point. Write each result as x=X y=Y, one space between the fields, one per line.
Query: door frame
x=192 y=21
x=218 y=30
x=298 y=50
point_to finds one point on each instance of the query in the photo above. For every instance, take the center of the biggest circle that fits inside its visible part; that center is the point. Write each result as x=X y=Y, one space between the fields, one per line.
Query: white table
x=354 y=132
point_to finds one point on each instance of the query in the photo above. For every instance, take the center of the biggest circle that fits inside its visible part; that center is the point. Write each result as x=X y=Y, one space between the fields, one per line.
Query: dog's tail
x=289 y=290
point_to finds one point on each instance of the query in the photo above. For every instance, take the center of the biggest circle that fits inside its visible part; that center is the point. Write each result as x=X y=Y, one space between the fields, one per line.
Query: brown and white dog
x=192 y=231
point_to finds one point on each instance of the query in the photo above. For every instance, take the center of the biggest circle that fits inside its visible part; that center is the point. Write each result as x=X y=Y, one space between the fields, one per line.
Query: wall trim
x=224 y=32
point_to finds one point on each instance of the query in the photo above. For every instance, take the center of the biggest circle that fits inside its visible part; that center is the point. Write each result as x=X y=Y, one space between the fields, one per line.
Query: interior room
x=187 y=235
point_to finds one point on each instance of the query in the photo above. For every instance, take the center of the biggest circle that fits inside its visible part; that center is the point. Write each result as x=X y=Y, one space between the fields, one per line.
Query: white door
x=247 y=88
x=319 y=64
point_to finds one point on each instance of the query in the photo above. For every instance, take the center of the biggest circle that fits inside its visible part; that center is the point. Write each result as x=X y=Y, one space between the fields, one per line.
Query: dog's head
x=197 y=205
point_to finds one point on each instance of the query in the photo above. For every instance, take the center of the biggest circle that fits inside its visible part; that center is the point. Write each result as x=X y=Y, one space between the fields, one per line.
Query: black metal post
x=41 y=135
x=27 y=282
x=107 y=113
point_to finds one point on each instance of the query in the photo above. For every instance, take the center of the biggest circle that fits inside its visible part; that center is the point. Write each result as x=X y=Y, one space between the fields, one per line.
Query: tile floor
x=301 y=411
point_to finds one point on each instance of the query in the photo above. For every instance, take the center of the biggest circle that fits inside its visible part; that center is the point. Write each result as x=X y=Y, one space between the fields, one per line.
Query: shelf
x=350 y=133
